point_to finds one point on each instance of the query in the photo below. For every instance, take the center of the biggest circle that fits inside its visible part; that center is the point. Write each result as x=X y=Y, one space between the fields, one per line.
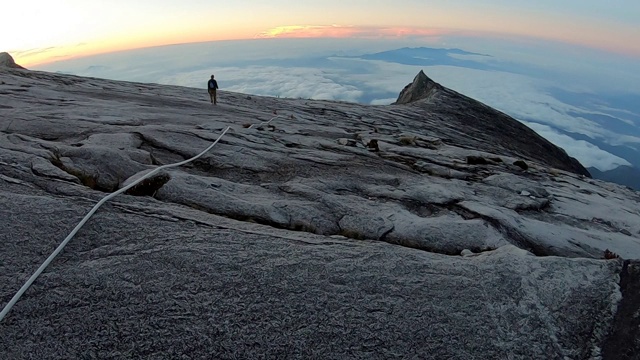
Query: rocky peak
x=7 y=61
x=422 y=87
x=485 y=126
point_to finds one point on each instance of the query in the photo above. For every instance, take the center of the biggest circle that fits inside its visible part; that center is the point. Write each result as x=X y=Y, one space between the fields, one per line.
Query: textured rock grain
x=7 y=61
x=297 y=240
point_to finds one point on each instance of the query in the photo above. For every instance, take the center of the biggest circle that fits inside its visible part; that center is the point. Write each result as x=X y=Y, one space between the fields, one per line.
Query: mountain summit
x=422 y=88
x=7 y=61
x=485 y=128
x=439 y=229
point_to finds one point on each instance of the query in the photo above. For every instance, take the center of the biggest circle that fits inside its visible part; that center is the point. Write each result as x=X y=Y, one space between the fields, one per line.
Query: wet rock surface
x=328 y=229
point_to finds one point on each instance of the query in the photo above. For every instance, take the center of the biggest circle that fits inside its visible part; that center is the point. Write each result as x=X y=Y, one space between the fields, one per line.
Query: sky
x=49 y=30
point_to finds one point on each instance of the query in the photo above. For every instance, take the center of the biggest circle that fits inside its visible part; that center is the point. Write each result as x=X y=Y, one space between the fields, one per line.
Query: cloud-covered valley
x=581 y=109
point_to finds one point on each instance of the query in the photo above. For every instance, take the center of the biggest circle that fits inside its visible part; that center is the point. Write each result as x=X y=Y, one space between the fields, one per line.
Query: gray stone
x=342 y=141
x=7 y=61
x=287 y=244
x=422 y=88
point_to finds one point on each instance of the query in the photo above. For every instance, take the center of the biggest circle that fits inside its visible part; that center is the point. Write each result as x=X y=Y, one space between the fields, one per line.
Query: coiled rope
x=55 y=253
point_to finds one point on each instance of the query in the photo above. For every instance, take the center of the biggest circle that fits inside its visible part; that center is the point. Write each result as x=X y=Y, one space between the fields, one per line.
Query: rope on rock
x=265 y=122
x=55 y=253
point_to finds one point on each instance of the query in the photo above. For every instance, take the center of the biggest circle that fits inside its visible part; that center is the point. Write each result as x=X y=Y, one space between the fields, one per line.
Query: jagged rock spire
x=7 y=61
x=422 y=87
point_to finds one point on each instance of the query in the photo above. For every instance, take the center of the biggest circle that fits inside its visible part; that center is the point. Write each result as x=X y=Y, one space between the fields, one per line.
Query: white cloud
x=517 y=95
x=298 y=82
x=383 y=101
x=573 y=68
x=588 y=154
x=628 y=140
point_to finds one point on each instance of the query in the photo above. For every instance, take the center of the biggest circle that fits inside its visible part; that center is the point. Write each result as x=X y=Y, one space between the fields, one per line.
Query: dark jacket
x=212 y=85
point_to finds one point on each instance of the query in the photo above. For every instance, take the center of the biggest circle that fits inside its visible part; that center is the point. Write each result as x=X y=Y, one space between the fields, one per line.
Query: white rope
x=266 y=122
x=53 y=255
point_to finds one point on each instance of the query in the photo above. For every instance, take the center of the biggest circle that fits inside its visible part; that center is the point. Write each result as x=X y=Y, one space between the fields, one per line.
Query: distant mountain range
x=423 y=56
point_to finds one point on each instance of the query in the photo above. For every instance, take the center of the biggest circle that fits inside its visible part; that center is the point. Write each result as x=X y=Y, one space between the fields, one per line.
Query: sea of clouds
x=522 y=86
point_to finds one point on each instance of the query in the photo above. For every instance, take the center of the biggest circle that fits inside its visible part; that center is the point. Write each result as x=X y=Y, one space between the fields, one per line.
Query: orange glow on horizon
x=125 y=41
x=600 y=41
x=34 y=57
x=336 y=31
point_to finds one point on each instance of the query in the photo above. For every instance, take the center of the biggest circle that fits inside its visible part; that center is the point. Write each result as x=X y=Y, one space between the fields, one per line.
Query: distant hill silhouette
x=423 y=56
x=623 y=175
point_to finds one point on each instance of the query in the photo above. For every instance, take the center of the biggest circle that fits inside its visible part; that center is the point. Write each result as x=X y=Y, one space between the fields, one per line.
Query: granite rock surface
x=314 y=229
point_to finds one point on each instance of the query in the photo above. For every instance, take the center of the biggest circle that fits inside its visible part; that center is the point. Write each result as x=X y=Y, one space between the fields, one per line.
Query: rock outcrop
x=326 y=229
x=7 y=61
x=422 y=88
x=484 y=124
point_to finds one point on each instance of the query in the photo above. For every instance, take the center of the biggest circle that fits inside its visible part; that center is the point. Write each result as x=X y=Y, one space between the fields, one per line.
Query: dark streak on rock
x=148 y=187
x=623 y=341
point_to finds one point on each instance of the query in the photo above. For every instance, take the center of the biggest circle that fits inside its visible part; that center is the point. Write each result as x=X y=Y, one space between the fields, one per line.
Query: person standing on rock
x=213 y=86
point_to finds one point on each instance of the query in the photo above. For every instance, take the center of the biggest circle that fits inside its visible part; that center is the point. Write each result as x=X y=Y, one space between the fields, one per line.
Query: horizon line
x=310 y=32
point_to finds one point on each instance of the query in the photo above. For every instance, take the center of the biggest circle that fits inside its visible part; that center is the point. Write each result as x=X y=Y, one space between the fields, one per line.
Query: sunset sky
x=46 y=30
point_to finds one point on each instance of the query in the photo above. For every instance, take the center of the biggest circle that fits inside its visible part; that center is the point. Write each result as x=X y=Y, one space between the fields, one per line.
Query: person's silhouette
x=213 y=86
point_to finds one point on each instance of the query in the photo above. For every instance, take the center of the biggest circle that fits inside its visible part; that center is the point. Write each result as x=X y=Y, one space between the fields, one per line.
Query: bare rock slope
x=7 y=61
x=436 y=229
x=484 y=124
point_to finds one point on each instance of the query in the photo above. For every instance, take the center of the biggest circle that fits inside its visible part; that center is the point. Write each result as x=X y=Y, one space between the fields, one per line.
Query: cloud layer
x=306 y=83
x=338 y=31
x=547 y=98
